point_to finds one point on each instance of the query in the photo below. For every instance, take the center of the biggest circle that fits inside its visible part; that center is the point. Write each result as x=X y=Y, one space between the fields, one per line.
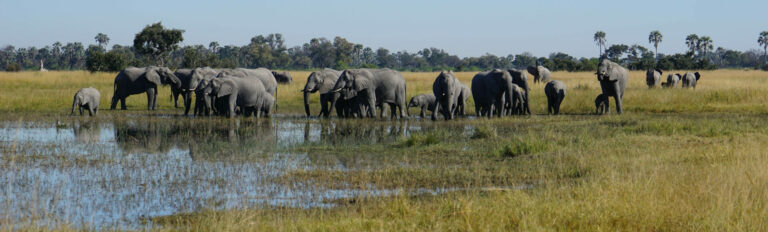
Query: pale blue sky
x=465 y=28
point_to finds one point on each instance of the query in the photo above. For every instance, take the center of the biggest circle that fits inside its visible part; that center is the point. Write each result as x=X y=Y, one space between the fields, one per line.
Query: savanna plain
x=677 y=159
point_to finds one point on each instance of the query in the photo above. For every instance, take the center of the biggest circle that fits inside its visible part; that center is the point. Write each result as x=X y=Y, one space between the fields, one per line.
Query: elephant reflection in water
x=340 y=132
x=235 y=140
x=87 y=131
x=143 y=136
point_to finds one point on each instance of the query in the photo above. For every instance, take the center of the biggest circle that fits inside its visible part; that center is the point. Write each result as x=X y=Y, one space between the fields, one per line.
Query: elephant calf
x=424 y=102
x=672 y=80
x=600 y=106
x=653 y=77
x=555 y=91
x=88 y=98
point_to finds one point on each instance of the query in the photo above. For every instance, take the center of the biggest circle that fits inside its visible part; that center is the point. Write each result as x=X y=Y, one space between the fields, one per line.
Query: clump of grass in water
x=424 y=139
x=482 y=132
x=523 y=147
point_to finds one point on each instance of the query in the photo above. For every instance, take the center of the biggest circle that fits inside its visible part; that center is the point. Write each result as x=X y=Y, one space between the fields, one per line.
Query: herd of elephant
x=359 y=92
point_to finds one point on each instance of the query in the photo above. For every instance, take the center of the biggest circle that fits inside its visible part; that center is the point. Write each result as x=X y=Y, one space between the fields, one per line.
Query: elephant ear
x=697 y=75
x=533 y=70
x=678 y=76
x=659 y=70
x=360 y=79
x=153 y=76
x=226 y=88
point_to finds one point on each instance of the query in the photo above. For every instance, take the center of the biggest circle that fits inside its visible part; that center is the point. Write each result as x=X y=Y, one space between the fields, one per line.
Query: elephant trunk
x=75 y=102
x=306 y=103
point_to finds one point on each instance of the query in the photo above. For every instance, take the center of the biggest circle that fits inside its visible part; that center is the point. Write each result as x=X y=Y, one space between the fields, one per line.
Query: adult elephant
x=613 y=81
x=133 y=80
x=184 y=75
x=248 y=94
x=283 y=77
x=447 y=90
x=653 y=77
x=263 y=74
x=689 y=80
x=540 y=74
x=198 y=80
x=490 y=89
x=520 y=79
x=322 y=82
x=375 y=86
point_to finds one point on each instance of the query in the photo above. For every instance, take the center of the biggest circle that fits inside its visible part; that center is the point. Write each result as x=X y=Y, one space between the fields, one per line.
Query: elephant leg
x=333 y=99
x=371 y=102
x=423 y=109
x=80 y=108
x=187 y=102
x=231 y=107
x=90 y=110
x=112 y=105
x=557 y=106
x=122 y=104
x=150 y=98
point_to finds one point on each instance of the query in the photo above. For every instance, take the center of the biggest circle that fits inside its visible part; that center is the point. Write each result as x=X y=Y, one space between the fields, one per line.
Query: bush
x=482 y=132
x=15 y=67
x=523 y=147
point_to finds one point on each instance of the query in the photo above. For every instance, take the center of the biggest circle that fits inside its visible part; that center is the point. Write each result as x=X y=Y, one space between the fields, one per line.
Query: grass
x=678 y=159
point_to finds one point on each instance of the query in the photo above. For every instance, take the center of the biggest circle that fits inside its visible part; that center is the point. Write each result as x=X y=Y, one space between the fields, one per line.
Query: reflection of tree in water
x=87 y=131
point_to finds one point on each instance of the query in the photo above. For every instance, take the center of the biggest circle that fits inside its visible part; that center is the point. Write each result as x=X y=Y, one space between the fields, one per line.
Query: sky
x=464 y=28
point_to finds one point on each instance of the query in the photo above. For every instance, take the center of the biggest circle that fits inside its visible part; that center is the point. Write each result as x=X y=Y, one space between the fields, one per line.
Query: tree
x=213 y=47
x=157 y=42
x=614 y=52
x=655 y=38
x=704 y=45
x=692 y=41
x=102 y=40
x=763 y=41
x=600 y=40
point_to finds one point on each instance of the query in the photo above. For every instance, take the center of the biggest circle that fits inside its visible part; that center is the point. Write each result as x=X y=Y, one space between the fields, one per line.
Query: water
x=104 y=173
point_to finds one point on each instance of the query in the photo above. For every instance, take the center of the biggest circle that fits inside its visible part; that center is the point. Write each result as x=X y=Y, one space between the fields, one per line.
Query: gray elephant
x=517 y=105
x=248 y=94
x=283 y=77
x=447 y=91
x=689 y=80
x=490 y=89
x=376 y=86
x=540 y=74
x=613 y=81
x=424 y=102
x=600 y=104
x=87 y=98
x=184 y=75
x=672 y=80
x=555 y=91
x=199 y=79
x=133 y=80
x=263 y=74
x=653 y=77
x=519 y=78
x=465 y=92
x=322 y=82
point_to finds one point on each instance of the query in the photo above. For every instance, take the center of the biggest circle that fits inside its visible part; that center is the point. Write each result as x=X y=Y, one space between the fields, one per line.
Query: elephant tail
x=276 y=88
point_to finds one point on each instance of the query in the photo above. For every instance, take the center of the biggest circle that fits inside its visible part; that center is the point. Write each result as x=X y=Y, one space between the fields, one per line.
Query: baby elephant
x=555 y=91
x=601 y=107
x=86 y=98
x=423 y=101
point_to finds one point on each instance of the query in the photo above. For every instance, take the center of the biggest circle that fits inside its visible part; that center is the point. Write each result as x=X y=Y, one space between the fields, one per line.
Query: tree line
x=156 y=45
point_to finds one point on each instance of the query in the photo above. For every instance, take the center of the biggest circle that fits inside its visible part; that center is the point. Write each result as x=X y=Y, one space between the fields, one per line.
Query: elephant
x=199 y=79
x=184 y=75
x=653 y=77
x=263 y=74
x=689 y=79
x=613 y=81
x=517 y=105
x=88 y=98
x=375 y=86
x=323 y=82
x=447 y=91
x=490 y=89
x=465 y=92
x=248 y=94
x=283 y=77
x=672 y=80
x=540 y=74
x=555 y=91
x=424 y=102
x=133 y=80
x=519 y=78
x=600 y=104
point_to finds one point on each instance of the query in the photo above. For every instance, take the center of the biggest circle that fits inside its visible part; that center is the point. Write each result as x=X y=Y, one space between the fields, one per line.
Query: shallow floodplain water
x=98 y=172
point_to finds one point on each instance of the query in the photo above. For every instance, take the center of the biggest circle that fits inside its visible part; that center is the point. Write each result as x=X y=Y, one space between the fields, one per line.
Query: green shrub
x=523 y=147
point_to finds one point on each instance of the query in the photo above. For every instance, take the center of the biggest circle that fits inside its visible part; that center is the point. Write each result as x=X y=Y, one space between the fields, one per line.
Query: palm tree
x=763 y=41
x=213 y=46
x=692 y=41
x=102 y=39
x=600 y=40
x=655 y=38
x=705 y=45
